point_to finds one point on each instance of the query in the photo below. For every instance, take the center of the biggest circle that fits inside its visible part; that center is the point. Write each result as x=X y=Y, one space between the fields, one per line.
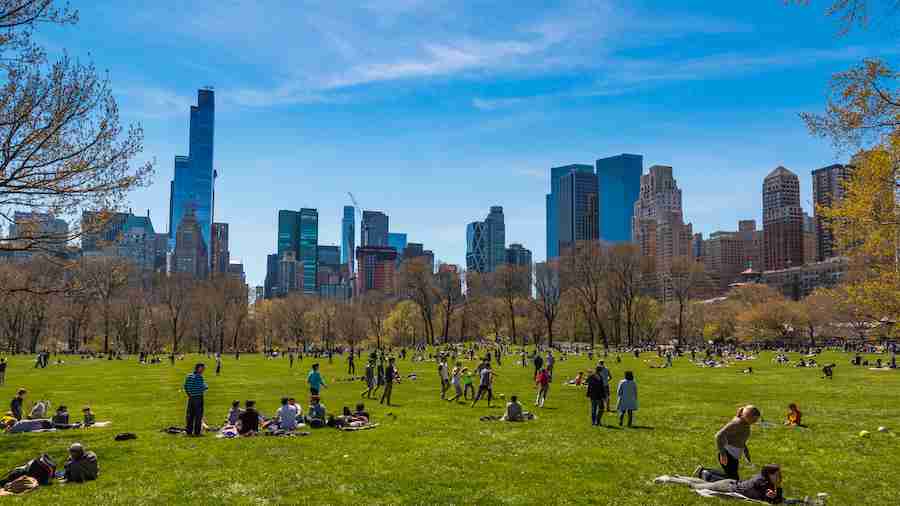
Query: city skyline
x=479 y=125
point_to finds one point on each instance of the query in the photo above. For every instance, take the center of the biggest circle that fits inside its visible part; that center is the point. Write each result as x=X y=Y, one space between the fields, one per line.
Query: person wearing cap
x=195 y=387
x=81 y=465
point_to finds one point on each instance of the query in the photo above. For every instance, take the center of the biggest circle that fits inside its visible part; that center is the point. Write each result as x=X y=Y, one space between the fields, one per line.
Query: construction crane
x=357 y=213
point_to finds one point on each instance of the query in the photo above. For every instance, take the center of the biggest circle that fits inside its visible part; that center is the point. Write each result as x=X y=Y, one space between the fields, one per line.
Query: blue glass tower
x=619 y=187
x=309 y=249
x=552 y=203
x=194 y=182
x=348 y=236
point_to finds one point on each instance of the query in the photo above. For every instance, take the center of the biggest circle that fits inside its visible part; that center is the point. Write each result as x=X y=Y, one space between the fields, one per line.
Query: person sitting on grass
x=765 y=486
x=61 y=417
x=514 y=411
x=81 y=466
x=316 y=416
x=249 y=420
x=577 y=380
x=234 y=414
x=15 y=406
x=794 y=416
x=828 y=371
x=287 y=415
x=89 y=418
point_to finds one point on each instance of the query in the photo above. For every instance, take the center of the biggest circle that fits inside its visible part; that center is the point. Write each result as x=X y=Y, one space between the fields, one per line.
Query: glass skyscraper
x=288 y=232
x=348 y=236
x=552 y=204
x=486 y=242
x=619 y=187
x=577 y=208
x=309 y=249
x=194 y=182
x=374 y=228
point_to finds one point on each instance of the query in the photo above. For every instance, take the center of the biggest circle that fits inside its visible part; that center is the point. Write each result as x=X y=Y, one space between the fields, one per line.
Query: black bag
x=125 y=436
x=42 y=469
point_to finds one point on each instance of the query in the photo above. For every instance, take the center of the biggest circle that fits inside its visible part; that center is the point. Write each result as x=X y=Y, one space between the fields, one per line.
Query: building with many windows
x=486 y=242
x=374 y=229
x=552 y=203
x=577 y=209
x=782 y=220
x=121 y=235
x=376 y=267
x=309 y=249
x=828 y=190
x=476 y=246
x=397 y=241
x=619 y=187
x=190 y=255
x=193 y=186
x=221 y=256
x=519 y=256
x=348 y=236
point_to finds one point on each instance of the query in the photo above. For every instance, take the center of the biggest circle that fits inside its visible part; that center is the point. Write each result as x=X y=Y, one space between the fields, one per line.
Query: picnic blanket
x=684 y=480
x=361 y=427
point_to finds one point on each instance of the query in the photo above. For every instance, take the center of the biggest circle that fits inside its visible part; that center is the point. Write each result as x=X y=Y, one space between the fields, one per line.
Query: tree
x=451 y=298
x=400 y=323
x=856 y=12
x=547 y=294
x=174 y=294
x=625 y=274
x=585 y=271
x=63 y=149
x=507 y=284
x=376 y=308
x=417 y=282
x=684 y=276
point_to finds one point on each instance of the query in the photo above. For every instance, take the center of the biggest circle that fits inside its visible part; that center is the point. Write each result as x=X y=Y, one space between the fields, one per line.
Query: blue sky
x=433 y=110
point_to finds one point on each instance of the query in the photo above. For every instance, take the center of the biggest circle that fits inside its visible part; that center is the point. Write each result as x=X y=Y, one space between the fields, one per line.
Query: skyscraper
x=552 y=204
x=348 y=236
x=271 y=286
x=194 y=182
x=520 y=256
x=122 y=235
x=397 y=241
x=782 y=220
x=374 y=228
x=577 y=209
x=486 y=242
x=288 y=232
x=619 y=181
x=828 y=189
x=658 y=224
x=496 y=229
x=476 y=246
x=221 y=257
x=309 y=249
x=376 y=269
x=191 y=256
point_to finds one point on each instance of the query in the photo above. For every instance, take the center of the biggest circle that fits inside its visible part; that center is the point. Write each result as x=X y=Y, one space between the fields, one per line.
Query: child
x=61 y=417
x=456 y=380
x=794 y=416
x=234 y=414
x=543 y=383
x=467 y=383
x=89 y=418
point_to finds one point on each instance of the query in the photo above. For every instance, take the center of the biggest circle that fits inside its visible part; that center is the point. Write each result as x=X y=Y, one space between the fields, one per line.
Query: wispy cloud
x=151 y=102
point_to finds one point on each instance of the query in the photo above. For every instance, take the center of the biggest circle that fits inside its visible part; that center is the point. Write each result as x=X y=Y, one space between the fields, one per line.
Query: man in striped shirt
x=195 y=387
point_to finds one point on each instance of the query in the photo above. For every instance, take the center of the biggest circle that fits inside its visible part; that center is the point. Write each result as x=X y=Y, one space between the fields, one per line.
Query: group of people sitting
x=248 y=421
x=80 y=466
x=39 y=418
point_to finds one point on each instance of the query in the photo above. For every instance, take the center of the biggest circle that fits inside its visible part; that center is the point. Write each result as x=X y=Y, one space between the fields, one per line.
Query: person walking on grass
x=543 y=383
x=606 y=376
x=628 y=398
x=195 y=386
x=731 y=442
x=444 y=374
x=291 y=359
x=597 y=394
x=468 y=384
x=456 y=381
x=315 y=380
x=390 y=376
x=550 y=361
x=370 y=380
x=2 y=371
x=538 y=363
x=351 y=365
x=486 y=385
x=218 y=363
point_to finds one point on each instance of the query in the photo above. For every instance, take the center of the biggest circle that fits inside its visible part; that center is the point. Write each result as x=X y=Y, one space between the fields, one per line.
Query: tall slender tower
x=348 y=237
x=194 y=182
x=782 y=220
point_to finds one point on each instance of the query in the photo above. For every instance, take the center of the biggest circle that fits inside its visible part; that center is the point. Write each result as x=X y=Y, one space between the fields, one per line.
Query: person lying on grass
x=765 y=486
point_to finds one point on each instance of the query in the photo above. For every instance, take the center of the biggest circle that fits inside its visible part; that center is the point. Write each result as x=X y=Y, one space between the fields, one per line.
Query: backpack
x=41 y=469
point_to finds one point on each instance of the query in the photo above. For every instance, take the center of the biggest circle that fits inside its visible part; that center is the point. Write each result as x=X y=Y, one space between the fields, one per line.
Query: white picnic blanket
x=684 y=480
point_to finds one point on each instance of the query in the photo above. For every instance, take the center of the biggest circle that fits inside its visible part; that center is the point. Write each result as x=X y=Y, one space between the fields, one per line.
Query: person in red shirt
x=543 y=383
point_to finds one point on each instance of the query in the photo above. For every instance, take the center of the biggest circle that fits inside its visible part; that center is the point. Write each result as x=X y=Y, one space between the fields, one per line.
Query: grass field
x=435 y=452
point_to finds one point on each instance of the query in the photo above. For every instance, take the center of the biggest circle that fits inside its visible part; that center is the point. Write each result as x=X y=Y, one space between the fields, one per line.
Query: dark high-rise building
x=619 y=180
x=309 y=249
x=398 y=242
x=577 y=209
x=271 y=287
x=476 y=246
x=552 y=204
x=190 y=255
x=330 y=256
x=348 y=236
x=828 y=189
x=374 y=228
x=194 y=183
x=486 y=242
x=376 y=267
x=782 y=220
x=519 y=256
x=221 y=257
x=288 y=232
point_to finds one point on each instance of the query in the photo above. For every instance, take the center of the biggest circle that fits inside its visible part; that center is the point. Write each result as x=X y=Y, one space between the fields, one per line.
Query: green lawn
x=434 y=452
